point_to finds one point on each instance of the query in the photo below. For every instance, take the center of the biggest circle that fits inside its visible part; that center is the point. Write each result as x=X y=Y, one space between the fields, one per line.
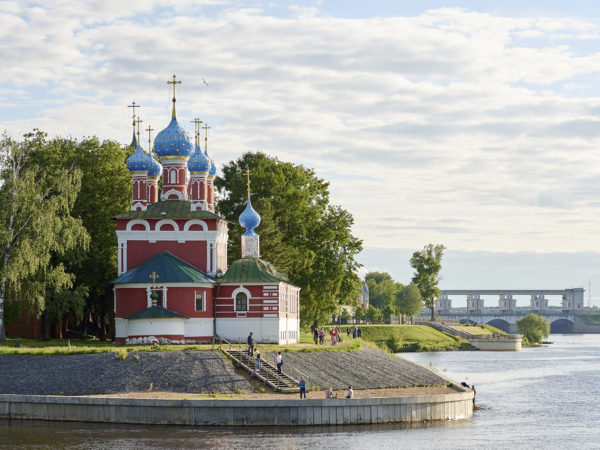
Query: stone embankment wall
x=421 y=408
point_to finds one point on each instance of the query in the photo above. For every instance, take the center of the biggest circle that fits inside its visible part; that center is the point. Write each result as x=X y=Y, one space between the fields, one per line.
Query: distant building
x=364 y=297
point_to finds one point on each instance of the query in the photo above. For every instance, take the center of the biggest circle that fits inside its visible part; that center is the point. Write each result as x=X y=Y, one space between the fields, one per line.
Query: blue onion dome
x=213 y=166
x=172 y=141
x=155 y=167
x=198 y=162
x=138 y=162
x=249 y=219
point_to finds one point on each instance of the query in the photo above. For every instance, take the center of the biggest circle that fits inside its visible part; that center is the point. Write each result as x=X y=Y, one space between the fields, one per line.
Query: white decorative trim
x=243 y=290
x=165 y=195
x=162 y=222
x=138 y=206
x=180 y=236
x=191 y=222
x=143 y=222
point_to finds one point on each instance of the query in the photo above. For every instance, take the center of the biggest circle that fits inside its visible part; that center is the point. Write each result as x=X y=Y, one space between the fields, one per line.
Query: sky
x=473 y=124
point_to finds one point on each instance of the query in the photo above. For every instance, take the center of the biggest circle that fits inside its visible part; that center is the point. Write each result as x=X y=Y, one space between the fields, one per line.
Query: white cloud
x=451 y=121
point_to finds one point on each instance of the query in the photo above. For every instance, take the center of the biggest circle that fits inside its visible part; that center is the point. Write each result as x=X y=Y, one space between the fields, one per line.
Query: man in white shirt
x=279 y=362
x=350 y=392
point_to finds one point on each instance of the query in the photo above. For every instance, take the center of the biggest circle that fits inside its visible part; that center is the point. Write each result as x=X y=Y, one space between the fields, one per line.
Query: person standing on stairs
x=279 y=362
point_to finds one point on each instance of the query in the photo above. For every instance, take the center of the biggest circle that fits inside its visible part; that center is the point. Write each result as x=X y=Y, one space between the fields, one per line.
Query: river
x=545 y=397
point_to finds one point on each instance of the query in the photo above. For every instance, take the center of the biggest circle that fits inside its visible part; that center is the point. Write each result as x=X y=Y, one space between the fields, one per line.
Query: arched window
x=199 y=301
x=241 y=302
x=173 y=176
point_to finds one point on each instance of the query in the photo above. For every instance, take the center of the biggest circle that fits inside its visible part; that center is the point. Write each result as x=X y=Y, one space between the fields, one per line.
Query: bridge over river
x=505 y=315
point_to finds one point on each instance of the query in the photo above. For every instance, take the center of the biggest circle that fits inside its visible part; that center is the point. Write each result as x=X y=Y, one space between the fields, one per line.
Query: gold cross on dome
x=174 y=82
x=154 y=276
x=206 y=128
x=247 y=173
x=137 y=122
x=133 y=106
x=149 y=130
x=197 y=123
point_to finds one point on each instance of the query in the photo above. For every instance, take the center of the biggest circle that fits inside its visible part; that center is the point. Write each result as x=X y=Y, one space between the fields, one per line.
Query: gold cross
x=174 y=82
x=154 y=276
x=197 y=123
x=138 y=121
x=149 y=130
x=206 y=128
x=247 y=173
x=133 y=106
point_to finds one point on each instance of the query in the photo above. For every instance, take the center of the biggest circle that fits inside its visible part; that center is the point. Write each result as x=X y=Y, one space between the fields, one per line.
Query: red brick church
x=173 y=281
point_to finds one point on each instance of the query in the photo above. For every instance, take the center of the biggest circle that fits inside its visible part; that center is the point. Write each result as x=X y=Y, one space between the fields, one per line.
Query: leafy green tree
x=373 y=314
x=409 y=301
x=427 y=264
x=359 y=314
x=345 y=316
x=387 y=312
x=301 y=233
x=382 y=289
x=535 y=328
x=36 y=226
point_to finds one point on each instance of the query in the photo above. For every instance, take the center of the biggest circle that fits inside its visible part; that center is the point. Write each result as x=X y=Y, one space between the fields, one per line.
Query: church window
x=241 y=302
x=199 y=301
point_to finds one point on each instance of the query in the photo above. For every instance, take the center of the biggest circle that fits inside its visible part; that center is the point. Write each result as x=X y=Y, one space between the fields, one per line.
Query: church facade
x=174 y=284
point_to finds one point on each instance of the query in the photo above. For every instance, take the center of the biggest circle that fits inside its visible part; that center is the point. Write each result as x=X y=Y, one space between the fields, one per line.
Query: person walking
x=334 y=335
x=251 y=344
x=359 y=332
x=316 y=335
x=302 y=385
x=354 y=332
x=321 y=336
x=279 y=362
x=257 y=362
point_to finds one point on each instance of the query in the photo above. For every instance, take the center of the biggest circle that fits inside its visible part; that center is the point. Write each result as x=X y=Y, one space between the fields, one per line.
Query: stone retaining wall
x=239 y=412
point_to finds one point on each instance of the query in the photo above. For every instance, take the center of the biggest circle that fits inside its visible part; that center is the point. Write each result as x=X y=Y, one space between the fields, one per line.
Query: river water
x=543 y=397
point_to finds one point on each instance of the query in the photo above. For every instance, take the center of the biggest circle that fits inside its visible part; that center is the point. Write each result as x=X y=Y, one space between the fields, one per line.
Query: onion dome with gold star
x=138 y=162
x=155 y=169
x=198 y=162
x=173 y=140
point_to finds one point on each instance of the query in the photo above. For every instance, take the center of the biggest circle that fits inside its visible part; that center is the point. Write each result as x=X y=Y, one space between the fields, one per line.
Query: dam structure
x=563 y=319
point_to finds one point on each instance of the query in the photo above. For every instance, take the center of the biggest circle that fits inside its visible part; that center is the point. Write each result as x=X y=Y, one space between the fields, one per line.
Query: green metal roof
x=171 y=209
x=253 y=270
x=156 y=312
x=168 y=267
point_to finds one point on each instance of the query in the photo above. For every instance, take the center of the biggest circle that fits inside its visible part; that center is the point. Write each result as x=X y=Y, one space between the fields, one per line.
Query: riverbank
x=200 y=372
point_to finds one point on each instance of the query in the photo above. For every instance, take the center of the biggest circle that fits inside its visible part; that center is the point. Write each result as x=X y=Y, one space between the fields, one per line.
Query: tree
x=535 y=328
x=301 y=233
x=382 y=289
x=345 y=316
x=359 y=315
x=36 y=226
x=427 y=264
x=373 y=314
x=387 y=313
x=409 y=301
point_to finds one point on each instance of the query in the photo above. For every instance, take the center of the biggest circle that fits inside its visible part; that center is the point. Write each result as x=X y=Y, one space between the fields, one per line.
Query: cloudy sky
x=475 y=124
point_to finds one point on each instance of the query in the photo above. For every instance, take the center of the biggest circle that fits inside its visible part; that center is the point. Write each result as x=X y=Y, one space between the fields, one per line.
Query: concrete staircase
x=267 y=372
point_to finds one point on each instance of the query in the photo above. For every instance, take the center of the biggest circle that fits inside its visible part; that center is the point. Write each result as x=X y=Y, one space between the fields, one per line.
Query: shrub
x=122 y=354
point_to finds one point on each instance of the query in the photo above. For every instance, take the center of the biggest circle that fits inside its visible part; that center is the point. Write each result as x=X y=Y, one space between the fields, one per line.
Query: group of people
x=356 y=332
x=334 y=334
x=319 y=335
x=257 y=360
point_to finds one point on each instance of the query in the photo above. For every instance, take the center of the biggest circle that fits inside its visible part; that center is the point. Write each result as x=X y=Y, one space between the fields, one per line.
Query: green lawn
x=591 y=319
x=78 y=347
x=398 y=338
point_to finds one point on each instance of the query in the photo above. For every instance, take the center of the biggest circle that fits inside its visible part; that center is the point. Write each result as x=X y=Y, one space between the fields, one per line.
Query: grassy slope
x=410 y=338
x=591 y=319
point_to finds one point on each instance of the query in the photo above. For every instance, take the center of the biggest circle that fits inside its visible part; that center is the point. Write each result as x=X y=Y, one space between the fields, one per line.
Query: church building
x=173 y=281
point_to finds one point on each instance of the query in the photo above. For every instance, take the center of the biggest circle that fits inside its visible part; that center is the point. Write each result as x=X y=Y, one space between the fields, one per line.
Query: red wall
x=192 y=252
x=130 y=301
x=226 y=304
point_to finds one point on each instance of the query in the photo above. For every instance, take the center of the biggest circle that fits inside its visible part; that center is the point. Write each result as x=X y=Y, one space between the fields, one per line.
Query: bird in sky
x=204 y=81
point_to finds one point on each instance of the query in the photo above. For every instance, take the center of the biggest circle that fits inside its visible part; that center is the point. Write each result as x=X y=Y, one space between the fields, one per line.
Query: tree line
x=58 y=247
